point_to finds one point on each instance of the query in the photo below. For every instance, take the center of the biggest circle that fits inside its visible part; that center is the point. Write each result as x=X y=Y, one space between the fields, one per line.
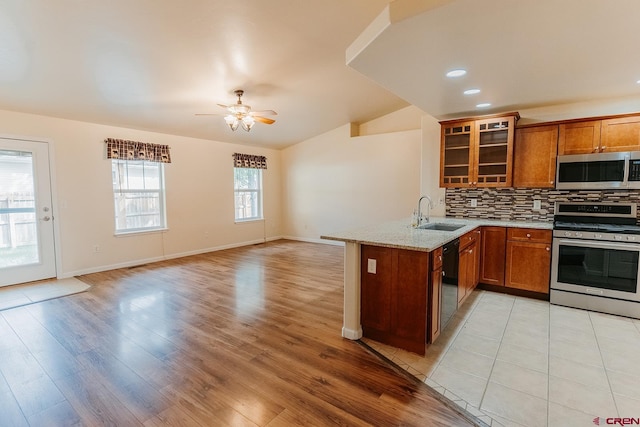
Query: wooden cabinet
x=579 y=137
x=620 y=134
x=477 y=153
x=468 y=264
x=599 y=136
x=435 y=296
x=394 y=284
x=534 y=157
x=492 y=255
x=528 y=259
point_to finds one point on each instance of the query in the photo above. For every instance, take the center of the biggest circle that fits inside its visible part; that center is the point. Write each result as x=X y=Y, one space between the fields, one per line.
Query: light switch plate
x=537 y=205
x=371 y=266
x=473 y=203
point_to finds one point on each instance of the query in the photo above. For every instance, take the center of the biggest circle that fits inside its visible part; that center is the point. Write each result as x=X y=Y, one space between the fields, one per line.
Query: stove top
x=611 y=218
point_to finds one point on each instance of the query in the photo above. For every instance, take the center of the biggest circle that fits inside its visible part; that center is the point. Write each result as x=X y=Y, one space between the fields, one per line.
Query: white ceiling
x=521 y=54
x=153 y=64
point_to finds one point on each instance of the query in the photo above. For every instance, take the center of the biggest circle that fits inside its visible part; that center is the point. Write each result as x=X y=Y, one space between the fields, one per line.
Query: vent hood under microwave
x=598 y=171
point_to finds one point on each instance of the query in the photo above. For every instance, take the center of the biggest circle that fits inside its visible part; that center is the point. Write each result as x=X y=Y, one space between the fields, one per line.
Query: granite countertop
x=400 y=234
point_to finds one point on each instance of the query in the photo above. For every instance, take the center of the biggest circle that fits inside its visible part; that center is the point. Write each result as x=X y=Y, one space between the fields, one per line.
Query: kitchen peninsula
x=396 y=269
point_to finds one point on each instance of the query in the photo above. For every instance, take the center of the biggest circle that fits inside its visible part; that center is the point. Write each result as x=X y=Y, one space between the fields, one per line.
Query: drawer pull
x=529 y=235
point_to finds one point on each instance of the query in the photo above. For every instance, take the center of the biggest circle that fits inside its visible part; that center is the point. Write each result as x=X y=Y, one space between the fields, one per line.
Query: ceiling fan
x=240 y=114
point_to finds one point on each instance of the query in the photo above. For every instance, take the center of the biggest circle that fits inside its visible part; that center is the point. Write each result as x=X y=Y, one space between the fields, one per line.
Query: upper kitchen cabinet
x=599 y=136
x=477 y=152
x=534 y=157
x=620 y=134
x=579 y=137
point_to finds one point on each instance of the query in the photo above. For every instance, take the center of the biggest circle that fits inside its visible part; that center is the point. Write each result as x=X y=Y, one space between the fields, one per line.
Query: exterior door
x=27 y=249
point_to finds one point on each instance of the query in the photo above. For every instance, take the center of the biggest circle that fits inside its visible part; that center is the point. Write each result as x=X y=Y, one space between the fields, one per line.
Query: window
x=248 y=193
x=138 y=194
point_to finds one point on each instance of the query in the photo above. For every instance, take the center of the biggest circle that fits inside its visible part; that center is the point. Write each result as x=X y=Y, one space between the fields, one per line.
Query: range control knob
x=631 y=238
x=578 y=234
x=618 y=237
x=597 y=236
x=568 y=234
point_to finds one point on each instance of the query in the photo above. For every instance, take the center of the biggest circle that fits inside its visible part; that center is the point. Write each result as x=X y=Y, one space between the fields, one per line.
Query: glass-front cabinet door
x=495 y=151
x=456 y=159
x=477 y=152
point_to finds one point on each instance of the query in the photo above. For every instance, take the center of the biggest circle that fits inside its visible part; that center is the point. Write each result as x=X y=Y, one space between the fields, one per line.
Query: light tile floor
x=29 y=293
x=514 y=361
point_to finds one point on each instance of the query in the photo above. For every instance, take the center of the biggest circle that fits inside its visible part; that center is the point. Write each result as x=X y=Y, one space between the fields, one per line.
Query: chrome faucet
x=429 y=206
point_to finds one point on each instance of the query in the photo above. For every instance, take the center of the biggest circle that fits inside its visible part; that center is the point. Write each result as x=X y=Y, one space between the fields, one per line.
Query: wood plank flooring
x=242 y=337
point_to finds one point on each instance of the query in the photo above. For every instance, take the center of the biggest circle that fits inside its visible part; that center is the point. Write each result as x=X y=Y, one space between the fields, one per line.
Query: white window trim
x=260 y=193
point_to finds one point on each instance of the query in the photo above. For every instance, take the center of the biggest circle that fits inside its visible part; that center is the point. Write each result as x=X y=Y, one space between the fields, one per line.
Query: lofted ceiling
x=154 y=64
x=520 y=54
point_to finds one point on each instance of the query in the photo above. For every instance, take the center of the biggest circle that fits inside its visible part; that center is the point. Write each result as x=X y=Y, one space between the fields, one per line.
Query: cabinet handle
x=595 y=150
x=548 y=248
x=551 y=182
x=604 y=147
x=528 y=236
x=439 y=257
x=443 y=273
x=470 y=251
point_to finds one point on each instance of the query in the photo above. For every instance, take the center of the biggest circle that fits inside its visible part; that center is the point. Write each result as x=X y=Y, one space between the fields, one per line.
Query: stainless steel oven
x=595 y=258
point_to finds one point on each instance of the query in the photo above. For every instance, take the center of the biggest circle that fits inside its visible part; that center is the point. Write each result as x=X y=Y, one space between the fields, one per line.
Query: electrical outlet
x=96 y=248
x=371 y=266
x=537 y=205
x=473 y=203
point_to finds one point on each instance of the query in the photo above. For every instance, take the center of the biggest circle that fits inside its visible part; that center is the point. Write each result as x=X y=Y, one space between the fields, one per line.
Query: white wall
x=334 y=182
x=199 y=186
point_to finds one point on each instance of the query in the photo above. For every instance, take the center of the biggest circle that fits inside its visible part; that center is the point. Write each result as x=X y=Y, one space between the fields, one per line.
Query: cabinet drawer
x=469 y=238
x=529 y=235
x=436 y=259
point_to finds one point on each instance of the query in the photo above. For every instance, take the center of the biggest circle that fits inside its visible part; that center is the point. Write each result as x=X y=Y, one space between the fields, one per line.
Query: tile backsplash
x=516 y=204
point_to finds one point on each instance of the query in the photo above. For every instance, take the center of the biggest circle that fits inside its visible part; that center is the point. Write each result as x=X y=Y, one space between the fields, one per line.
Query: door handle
x=46 y=218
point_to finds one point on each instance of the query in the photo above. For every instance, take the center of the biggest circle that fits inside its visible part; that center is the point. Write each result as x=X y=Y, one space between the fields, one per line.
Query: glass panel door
x=26 y=221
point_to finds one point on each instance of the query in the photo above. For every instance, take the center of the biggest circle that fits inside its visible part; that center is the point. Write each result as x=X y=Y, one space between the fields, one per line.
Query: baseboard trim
x=313 y=240
x=352 y=334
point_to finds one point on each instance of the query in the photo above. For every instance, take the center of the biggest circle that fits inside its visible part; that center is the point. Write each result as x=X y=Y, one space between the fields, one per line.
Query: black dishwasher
x=449 y=281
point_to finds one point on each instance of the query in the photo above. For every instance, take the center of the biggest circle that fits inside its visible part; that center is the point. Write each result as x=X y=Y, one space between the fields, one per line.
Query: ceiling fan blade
x=264 y=113
x=223 y=106
x=264 y=120
x=209 y=114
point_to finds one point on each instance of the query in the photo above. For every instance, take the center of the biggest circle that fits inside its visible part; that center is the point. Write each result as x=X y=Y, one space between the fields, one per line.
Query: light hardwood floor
x=242 y=337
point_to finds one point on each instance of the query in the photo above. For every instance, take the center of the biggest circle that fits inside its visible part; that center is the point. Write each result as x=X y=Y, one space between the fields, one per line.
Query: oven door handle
x=598 y=244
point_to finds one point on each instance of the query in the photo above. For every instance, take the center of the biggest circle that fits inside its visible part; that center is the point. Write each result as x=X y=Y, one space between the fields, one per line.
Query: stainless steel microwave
x=598 y=171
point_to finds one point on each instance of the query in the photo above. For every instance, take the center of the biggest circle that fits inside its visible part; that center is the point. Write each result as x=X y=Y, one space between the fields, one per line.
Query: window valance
x=134 y=150
x=249 y=161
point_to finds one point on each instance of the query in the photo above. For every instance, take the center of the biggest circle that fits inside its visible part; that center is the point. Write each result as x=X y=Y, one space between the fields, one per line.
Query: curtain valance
x=249 y=161
x=134 y=150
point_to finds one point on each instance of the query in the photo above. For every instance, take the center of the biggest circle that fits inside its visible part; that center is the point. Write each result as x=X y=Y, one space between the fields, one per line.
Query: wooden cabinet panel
x=436 y=258
x=468 y=265
x=409 y=296
x=534 y=159
x=529 y=235
x=492 y=255
x=375 y=288
x=579 y=137
x=456 y=154
x=621 y=134
x=528 y=266
x=393 y=307
x=435 y=304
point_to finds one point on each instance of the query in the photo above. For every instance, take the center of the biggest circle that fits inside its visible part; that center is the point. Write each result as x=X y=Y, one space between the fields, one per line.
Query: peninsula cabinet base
x=394 y=284
x=514 y=291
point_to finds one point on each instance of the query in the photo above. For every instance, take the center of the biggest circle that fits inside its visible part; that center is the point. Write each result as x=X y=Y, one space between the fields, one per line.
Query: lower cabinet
x=528 y=259
x=394 y=296
x=493 y=251
x=435 y=296
x=468 y=264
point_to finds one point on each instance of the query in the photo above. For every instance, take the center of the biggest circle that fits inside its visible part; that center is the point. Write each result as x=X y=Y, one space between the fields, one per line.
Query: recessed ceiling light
x=471 y=91
x=483 y=105
x=638 y=82
x=457 y=73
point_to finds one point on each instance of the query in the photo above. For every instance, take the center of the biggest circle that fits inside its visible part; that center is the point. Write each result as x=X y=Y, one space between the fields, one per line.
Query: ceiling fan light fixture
x=232 y=121
x=247 y=123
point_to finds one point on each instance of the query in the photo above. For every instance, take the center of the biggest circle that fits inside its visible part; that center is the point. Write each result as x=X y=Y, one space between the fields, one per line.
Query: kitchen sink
x=439 y=226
